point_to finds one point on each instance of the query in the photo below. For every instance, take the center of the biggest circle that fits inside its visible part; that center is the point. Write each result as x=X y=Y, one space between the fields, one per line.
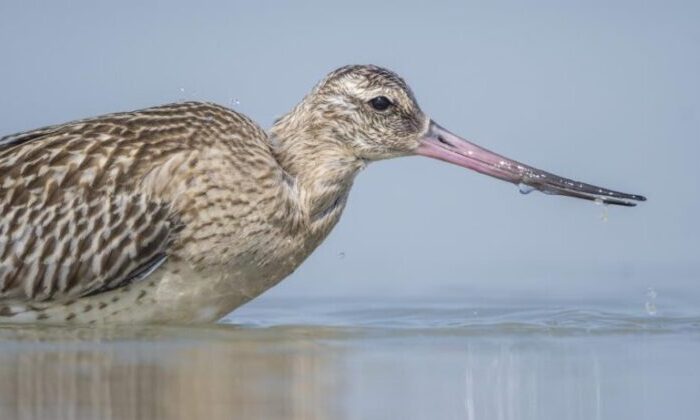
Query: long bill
x=441 y=144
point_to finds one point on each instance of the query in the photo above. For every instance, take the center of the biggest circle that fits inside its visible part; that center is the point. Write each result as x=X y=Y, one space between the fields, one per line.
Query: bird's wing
x=74 y=219
x=79 y=248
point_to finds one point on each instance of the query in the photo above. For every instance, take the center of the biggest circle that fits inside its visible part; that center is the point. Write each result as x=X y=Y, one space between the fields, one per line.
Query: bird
x=181 y=213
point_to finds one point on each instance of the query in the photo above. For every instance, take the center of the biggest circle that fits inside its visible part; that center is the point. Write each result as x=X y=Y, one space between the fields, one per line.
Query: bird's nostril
x=442 y=140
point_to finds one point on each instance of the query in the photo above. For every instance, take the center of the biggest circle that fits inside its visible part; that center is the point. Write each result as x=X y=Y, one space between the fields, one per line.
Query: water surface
x=408 y=359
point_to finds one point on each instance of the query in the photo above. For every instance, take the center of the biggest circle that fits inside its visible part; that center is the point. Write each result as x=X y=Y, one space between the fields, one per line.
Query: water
x=367 y=359
x=525 y=189
x=650 y=304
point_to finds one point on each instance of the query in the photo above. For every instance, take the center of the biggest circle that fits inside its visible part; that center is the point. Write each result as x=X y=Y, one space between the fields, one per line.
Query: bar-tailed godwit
x=183 y=212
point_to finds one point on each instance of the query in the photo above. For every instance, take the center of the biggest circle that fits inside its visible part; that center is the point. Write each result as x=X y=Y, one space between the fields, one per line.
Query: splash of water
x=650 y=304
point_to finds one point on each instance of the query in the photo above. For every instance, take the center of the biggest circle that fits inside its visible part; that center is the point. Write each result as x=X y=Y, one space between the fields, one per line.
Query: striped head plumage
x=366 y=111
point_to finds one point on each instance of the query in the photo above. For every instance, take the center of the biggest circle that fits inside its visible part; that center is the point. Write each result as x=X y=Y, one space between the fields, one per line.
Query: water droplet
x=181 y=97
x=341 y=255
x=604 y=214
x=650 y=304
x=525 y=189
x=650 y=308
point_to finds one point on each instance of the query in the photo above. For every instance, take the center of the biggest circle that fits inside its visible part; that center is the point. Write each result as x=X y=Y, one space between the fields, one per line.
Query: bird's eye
x=380 y=103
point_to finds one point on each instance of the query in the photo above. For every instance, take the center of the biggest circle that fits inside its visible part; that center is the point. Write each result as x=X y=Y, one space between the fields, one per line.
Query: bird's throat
x=321 y=171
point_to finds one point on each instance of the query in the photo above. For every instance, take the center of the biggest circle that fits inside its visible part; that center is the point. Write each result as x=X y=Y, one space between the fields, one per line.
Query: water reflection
x=175 y=375
x=225 y=372
x=533 y=382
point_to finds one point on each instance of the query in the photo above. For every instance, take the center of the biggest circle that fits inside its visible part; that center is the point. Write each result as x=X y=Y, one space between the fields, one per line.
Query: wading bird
x=183 y=212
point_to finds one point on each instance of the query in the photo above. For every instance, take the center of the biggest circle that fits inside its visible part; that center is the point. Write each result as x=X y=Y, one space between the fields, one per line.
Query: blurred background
x=602 y=92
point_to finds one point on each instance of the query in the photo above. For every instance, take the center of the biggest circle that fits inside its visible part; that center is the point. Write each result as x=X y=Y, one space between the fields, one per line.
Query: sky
x=603 y=92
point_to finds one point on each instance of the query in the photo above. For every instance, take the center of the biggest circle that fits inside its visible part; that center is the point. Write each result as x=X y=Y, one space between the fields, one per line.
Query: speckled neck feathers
x=322 y=167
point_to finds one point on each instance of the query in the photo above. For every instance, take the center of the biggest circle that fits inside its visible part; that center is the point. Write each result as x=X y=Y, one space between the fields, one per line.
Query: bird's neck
x=320 y=168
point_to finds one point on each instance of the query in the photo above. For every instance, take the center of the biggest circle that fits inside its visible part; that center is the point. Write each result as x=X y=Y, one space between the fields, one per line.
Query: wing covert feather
x=68 y=251
x=74 y=217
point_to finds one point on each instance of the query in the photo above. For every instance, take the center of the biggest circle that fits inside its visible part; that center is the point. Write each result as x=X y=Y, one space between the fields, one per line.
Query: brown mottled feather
x=77 y=216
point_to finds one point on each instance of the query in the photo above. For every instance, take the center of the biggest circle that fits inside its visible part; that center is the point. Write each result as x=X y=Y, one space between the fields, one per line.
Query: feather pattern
x=83 y=206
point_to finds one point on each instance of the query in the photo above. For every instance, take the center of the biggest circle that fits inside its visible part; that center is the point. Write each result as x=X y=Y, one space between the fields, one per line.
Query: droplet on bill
x=525 y=189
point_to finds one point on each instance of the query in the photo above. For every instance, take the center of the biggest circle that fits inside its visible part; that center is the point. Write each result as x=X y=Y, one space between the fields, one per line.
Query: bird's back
x=92 y=205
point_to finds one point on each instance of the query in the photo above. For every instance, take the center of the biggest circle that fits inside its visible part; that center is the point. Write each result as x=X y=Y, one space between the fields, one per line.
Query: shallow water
x=408 y=359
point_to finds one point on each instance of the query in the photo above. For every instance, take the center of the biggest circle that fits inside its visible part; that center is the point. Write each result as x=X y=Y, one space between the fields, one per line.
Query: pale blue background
x=605 y=92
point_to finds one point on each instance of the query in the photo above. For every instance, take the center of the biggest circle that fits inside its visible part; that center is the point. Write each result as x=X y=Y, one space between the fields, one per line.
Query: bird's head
x=370 y=113
x=369 y=109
